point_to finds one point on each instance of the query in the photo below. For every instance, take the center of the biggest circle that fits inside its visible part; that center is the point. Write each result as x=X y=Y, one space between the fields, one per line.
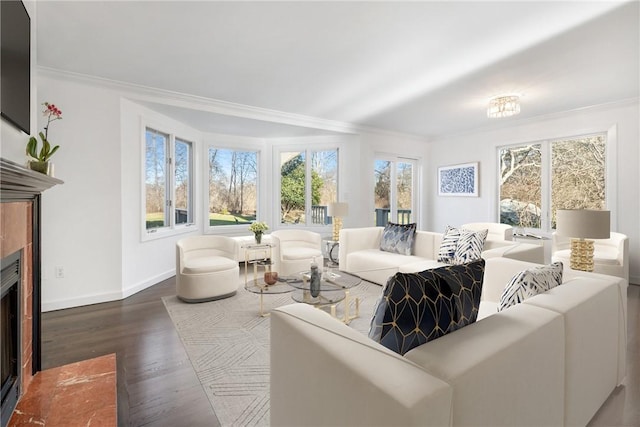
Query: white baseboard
x=77 y=302
x=105 y=297
x=140 y=286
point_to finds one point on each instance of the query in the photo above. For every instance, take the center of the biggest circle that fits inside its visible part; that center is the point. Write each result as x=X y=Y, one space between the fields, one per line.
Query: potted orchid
x=39 y=160
x=258 y=228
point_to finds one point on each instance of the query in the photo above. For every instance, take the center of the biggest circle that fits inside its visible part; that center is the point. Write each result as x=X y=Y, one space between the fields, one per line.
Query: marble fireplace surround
x=20 y=192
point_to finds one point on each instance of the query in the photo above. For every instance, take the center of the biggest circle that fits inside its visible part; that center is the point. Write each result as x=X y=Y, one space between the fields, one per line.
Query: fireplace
x=20 y=204
x=10 y=333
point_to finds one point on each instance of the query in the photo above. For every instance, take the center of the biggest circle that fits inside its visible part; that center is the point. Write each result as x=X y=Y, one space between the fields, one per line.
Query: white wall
x=482 y=146
x=81 y=218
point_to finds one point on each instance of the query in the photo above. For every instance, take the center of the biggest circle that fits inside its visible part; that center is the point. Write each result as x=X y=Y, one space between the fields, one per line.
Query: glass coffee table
x=334 y=288
x=262 y=289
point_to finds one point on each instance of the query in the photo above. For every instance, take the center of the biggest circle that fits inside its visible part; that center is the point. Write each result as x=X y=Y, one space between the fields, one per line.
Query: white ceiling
x=424 y=68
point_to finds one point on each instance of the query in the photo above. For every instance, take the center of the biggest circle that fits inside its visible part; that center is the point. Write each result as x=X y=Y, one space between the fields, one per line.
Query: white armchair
x=294 y=250
x=206 y=268
x=496 y=231
x=610 y=256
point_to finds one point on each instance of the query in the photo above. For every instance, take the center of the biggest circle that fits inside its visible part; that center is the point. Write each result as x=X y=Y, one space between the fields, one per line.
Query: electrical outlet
x=59 y=272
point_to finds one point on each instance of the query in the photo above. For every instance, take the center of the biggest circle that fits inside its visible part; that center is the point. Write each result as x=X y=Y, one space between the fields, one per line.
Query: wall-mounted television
x=15 y=64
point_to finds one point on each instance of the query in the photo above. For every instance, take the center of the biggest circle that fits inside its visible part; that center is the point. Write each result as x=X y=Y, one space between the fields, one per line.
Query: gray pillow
x=529 y=283
x=398 y=238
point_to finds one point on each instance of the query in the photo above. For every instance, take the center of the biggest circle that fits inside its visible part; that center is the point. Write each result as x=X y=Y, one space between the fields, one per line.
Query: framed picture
x=458 y=180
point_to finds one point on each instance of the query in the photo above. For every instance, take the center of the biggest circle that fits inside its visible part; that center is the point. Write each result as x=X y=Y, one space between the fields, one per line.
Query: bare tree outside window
x=233 y=186
x=576 y=168
x=155 y=179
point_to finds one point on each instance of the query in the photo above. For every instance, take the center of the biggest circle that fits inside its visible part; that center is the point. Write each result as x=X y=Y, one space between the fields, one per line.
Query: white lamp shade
x=583 y=223
x=338 y=209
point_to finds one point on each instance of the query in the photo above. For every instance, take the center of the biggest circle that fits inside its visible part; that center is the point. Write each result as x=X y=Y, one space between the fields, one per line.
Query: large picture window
x=538 y=179
x=308 y=183
x=168 y=170
x=233 y=187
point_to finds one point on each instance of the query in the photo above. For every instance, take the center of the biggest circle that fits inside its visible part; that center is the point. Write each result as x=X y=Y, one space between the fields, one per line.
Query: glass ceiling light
x=503 y=106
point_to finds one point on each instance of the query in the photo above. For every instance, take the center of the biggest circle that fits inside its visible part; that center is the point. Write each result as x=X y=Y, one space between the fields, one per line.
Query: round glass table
x=334 y=288
x=261 y=288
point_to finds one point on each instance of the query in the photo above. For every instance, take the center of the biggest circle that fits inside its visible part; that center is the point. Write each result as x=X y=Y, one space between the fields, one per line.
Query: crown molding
x=135 y=92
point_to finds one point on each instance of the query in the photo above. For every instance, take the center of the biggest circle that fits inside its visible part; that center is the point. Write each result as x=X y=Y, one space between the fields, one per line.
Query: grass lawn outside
x=156 y=219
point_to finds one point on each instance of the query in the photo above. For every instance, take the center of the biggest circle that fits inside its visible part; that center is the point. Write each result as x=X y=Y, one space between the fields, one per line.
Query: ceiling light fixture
x=503 y=106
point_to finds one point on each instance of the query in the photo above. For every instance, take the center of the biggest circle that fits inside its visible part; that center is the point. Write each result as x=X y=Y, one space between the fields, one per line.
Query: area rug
x=228 y=344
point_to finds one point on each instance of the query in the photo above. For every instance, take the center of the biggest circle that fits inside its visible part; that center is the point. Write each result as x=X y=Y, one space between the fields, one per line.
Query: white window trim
x=307 y=148
x=415 y=183
x=611 y=201
x=235 y=144
x=173 y=229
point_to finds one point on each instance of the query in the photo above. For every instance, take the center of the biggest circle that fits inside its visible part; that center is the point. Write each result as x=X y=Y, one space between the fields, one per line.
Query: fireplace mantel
x=20 y=183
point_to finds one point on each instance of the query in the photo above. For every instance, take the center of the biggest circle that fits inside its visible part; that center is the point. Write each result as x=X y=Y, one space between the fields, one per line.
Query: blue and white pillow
x=398 y=238
x=529 y=283
x=470 y=246
x=448 y=245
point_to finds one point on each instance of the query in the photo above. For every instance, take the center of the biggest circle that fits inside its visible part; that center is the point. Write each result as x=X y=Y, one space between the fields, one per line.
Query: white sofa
x=550 y=361
x=360 y=253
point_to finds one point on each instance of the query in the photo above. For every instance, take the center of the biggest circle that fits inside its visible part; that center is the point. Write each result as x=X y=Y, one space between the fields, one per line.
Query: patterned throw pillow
x=420 y=307
x=529 y=283
x=448 y=245
x=470 y=246
x=398 y=238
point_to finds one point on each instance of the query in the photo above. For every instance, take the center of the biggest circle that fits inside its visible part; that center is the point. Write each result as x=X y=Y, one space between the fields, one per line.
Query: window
x=168 y=191
x=394 y=191
x=233 y=187
x=308 y=183
x=538 y=179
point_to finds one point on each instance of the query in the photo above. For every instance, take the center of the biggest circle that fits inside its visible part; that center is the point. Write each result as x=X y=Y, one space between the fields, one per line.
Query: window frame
x=232 y=144
x=307 y=149
x=395 y=159
x=610 y=136
x=170 y=194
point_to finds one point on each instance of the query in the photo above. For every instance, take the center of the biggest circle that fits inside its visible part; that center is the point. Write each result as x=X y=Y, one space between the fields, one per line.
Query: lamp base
x=337 y=225
x=581 y=254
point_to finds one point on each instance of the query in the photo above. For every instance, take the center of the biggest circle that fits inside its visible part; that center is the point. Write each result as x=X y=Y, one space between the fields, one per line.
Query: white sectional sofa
x=360 y=253
x=549 y=361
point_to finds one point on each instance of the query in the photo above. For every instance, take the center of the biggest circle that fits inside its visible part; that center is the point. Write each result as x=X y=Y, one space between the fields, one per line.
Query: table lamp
x=337 y=211
x=581 y=225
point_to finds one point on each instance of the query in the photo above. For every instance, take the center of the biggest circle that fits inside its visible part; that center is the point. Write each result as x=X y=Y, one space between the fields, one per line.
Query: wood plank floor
x=158 y=387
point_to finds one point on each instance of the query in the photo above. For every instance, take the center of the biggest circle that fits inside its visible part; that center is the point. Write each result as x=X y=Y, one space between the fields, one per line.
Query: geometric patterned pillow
x=529 y=283
x=470 y=246
x=449 y=244
x=398 y=238
x=420 y=307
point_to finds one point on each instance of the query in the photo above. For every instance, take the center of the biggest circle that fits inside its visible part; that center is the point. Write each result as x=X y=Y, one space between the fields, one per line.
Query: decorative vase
x=314 y=280
x=271 y=277
x=258 y=236
x=38 y=166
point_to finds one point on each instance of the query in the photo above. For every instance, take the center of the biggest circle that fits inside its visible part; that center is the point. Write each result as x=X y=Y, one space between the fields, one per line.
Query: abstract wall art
x=458 y=180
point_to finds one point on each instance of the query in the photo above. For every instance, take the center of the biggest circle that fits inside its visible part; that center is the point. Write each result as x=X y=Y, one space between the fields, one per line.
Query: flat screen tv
x=15 y=63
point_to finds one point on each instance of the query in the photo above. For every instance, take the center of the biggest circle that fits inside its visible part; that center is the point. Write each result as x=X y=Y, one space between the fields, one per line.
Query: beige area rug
x=228 y=344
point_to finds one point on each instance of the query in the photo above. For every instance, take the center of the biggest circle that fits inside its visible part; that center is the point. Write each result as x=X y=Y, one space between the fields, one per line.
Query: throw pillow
x=420 y=307
x=470 y=246
x=449 y=244
x=529 y=283
x=398 y=238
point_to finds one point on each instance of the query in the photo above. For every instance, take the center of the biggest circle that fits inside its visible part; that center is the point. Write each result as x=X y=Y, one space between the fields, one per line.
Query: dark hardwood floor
x=156 y=384
x=158 y=387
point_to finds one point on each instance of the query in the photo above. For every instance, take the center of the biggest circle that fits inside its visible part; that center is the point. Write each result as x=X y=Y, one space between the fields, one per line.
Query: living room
x=93 y=226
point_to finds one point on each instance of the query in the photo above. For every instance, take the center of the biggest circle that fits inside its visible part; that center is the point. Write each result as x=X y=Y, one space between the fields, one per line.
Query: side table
x=332 y=247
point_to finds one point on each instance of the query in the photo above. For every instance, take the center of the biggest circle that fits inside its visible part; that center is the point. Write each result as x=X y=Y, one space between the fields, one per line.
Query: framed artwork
x=458 y=180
